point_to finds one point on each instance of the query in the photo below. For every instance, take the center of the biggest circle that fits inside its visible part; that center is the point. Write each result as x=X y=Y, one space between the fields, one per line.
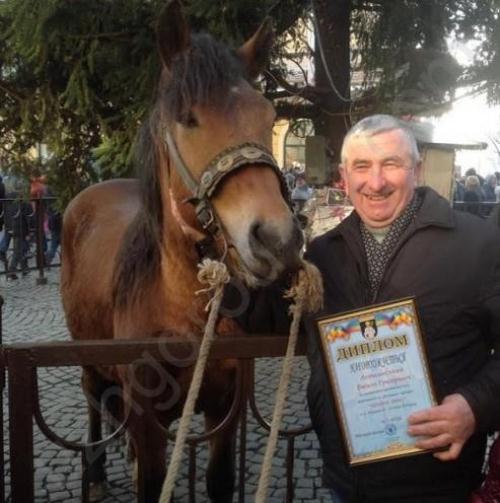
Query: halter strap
x=224 y=163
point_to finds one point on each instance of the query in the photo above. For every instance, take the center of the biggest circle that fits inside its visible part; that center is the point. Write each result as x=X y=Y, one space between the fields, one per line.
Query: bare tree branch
x=310 y=93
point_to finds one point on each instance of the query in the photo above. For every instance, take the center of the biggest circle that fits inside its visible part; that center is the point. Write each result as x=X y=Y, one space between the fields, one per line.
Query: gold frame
x=394 y=450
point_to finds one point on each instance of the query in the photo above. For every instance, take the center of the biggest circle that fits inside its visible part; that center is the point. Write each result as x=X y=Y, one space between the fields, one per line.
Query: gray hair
x=380 y=123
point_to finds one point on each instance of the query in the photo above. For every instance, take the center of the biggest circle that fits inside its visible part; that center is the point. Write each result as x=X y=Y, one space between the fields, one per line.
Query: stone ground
x=33 y=313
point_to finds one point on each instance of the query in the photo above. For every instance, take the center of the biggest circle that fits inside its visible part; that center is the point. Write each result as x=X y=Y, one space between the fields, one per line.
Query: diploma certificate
x=379 y=375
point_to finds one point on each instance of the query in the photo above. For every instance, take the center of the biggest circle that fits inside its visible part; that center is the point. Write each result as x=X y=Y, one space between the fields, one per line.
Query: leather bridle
x=225 y=163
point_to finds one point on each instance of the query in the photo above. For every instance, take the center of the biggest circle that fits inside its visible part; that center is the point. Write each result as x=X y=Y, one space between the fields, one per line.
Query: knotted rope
x=307 y=294
x=214 y=274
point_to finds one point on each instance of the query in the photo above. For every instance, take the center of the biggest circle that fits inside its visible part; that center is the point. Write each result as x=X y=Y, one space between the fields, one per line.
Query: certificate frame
x=377 y=365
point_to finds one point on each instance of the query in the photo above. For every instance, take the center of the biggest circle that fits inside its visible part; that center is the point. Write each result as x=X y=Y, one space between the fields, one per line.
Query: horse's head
x=218 y=129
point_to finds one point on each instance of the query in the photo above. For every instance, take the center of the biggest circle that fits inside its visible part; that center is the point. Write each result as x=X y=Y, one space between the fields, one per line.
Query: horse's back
x=93 y=228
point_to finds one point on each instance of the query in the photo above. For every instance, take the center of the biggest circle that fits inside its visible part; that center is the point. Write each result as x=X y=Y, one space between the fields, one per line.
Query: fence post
x=21 y=380
x=2 y=386
x=40 y=234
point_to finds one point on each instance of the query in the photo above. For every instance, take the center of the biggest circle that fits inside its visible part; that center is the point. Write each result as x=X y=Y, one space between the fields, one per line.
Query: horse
x=208 y=185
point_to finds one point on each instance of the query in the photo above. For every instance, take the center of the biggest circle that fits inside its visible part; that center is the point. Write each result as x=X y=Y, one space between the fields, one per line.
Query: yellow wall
x=279 y=131
x=438 y=170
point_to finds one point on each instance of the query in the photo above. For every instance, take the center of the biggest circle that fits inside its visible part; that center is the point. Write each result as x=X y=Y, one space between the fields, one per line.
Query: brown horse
x=130 y=254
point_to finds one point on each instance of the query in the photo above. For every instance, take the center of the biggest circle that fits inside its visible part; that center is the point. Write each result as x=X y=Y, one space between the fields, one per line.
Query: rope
x=214 y=274
x=307 y=294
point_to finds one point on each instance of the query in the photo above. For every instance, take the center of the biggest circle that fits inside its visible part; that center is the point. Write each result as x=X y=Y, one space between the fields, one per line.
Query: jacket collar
x=435 y=211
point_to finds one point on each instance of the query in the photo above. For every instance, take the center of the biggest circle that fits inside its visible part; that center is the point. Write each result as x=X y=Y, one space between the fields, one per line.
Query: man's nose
x=376 y=180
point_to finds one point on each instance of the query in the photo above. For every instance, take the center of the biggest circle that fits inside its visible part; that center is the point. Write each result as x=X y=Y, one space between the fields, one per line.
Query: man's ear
x=343 y=175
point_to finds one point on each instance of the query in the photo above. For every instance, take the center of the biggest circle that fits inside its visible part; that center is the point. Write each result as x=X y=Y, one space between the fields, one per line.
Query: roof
x=426 y=137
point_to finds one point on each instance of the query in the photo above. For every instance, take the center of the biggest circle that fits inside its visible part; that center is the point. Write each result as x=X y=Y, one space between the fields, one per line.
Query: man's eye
x=391 y=165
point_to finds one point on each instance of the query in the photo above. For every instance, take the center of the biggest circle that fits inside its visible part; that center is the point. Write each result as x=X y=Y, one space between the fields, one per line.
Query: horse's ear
x=172 y=32
x=256 y=50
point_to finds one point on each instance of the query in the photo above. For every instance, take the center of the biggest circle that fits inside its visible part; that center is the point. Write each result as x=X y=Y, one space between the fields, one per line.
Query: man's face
x=380 y=176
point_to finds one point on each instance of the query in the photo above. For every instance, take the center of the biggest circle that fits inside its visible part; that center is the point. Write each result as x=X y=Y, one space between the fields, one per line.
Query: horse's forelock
x=201 y=75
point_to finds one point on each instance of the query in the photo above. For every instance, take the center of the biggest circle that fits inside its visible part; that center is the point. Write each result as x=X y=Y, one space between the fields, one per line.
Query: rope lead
x=307 y=294
x=214 y=274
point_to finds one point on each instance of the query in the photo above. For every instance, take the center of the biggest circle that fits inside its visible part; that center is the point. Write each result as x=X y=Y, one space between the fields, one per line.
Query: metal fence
x=23 y=360
x=481 y=209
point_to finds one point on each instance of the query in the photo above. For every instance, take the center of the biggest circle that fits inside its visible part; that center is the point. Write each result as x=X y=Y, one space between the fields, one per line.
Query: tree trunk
x=332 y=71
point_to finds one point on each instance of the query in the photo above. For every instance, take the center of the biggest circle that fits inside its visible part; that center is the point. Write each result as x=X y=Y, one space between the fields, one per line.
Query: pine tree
x=79 y=75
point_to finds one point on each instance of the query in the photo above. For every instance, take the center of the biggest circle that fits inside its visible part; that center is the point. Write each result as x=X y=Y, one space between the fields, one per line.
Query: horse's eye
x=190 y=120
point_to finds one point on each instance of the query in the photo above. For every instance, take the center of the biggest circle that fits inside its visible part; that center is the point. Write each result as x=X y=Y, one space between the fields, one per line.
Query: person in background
x=54 y=223
x=473 y=195
x=400 y=241
x=17 y=215
x=490 y=183
x=301 y=193
x=458 y=186
x=497 y=188
x=473 y=172
x=38 y=190
x=289 y=178
x=2 y=196
x=38 y=185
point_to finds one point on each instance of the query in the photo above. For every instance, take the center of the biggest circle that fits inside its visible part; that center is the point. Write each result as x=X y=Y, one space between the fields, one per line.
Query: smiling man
x=380 y=171
x=406 y=241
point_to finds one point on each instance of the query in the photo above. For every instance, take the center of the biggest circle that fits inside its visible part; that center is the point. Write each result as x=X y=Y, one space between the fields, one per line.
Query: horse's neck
x=179 y=267
x=179 y=270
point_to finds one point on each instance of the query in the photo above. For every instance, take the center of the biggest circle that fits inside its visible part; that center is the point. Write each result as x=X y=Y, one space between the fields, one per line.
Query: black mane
x=199 y=76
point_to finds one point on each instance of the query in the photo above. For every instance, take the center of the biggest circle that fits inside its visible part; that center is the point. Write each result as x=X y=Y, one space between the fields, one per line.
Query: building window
x=295 y=142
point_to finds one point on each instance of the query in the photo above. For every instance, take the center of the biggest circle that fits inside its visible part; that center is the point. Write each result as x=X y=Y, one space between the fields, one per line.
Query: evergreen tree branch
x=11 y=92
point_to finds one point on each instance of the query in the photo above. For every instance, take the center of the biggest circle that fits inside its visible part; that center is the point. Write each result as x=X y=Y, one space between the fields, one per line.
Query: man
x=405 y=241
x=300 y=194
x=401 y=241
x=16 y=215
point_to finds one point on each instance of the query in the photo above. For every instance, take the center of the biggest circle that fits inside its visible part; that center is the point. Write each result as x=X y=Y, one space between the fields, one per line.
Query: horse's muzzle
x=275 y=251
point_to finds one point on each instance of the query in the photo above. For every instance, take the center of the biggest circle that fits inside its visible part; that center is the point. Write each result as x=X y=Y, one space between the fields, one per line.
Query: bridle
x=225 y=163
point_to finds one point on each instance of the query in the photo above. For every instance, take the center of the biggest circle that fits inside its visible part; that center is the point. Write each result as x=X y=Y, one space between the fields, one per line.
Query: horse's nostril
x=256 y=232
x=265 y=236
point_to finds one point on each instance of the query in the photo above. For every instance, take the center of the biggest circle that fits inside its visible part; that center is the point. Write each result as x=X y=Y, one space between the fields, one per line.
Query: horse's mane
x=201 y=75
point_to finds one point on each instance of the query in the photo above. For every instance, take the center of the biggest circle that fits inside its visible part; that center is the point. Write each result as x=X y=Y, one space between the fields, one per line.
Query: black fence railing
x=482 y=209
x=22 y=361
x=30 y=236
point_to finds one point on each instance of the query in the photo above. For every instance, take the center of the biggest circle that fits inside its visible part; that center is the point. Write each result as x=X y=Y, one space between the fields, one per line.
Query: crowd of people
x=20 y=219
x=473 y=190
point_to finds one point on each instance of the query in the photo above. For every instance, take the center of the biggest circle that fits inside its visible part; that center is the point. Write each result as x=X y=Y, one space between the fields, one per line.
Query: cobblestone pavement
x=33 y=313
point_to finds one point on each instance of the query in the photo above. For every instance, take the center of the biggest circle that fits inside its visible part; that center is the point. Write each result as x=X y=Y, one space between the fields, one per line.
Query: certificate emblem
x=368 y=328
x=379 y=375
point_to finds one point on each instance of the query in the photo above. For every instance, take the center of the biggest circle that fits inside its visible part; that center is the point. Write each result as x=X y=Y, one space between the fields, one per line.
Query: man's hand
x=447 y=425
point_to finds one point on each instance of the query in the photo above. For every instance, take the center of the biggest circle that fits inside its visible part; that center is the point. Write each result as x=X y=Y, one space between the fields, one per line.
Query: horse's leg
x=221 y=470
x=93 y=386
x=149 y=443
